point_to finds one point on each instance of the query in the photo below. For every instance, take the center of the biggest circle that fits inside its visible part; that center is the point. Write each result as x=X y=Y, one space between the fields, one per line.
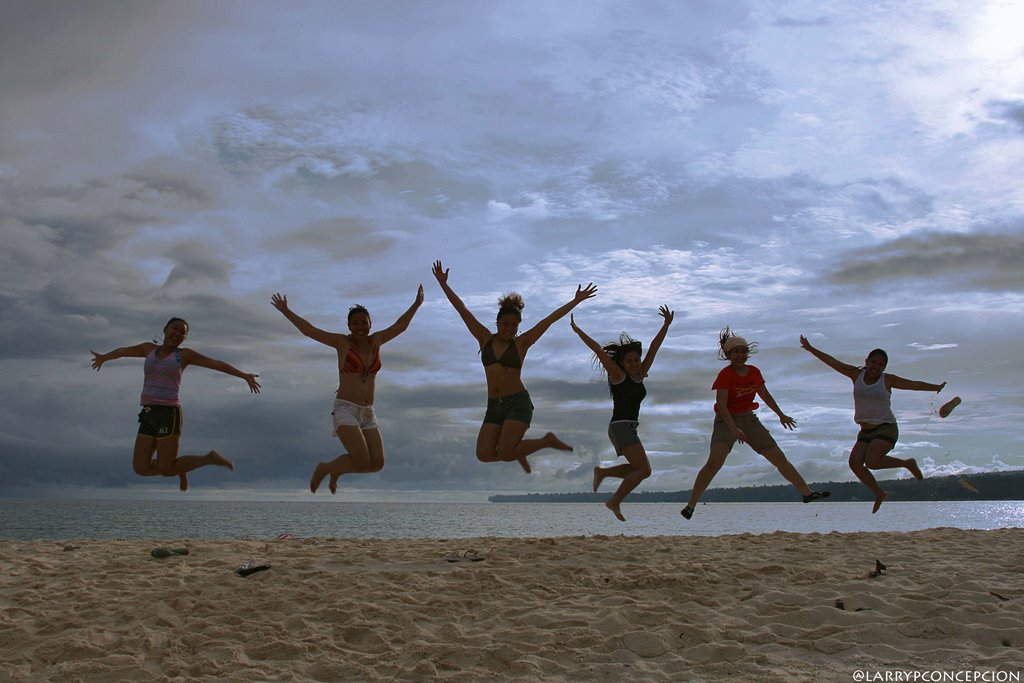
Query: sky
x=849 y=171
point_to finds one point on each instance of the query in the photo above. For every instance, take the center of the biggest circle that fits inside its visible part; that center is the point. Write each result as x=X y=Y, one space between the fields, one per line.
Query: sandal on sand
x=452 y=556
x=473 y=556
x=817 y=495
x=948 y=406
x=167 y=552
x=250 y=567
x=687 y=512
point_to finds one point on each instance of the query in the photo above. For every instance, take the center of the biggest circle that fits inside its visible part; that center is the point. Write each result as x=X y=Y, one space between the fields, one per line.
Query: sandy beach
x=604 y=608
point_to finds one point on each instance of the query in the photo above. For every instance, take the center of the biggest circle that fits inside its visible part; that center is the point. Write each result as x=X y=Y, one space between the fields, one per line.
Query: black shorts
x=623 y=434
x=886 y=432
x=160 y=422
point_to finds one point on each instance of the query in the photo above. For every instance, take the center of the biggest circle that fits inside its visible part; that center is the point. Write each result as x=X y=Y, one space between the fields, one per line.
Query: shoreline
x=652 y=608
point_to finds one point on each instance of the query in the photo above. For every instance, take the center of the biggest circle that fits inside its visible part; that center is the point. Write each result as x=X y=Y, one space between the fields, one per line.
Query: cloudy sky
x=846 y=170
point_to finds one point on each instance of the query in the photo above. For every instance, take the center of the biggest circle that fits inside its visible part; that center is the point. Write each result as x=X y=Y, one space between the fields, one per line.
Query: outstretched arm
x=769 y=401
x=850 y=371
x=402 y=324
x=615 y=373
x=894 y=382
x=652 y=350
x=530 y=337
x=280 y=302
x=190 y=357
x=476 y=328
x=138 y=351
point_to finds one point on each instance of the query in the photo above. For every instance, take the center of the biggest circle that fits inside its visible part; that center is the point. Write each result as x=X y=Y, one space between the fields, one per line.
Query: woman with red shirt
x=736 y=386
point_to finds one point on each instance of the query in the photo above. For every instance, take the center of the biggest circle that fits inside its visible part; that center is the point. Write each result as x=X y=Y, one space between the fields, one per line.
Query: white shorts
x=348 y=414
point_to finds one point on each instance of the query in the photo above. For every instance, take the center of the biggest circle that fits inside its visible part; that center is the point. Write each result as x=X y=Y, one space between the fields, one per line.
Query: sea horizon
x=24 y=519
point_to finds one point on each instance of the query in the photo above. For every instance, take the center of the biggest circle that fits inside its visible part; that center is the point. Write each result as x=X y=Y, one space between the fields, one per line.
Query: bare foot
x=915 y=470
x=333 y=484
x=318 y=476
x=614 y=507
x=524 y=464
x=598 y=478
x=554 y=442
x=183 y=482
x=217 y=459
x=879 y=499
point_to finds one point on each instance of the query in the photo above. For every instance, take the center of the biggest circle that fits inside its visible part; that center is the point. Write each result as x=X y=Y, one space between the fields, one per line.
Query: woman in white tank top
x=872 y=395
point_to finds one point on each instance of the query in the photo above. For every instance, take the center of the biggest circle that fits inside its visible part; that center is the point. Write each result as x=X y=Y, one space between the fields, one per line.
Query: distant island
x=987 y=486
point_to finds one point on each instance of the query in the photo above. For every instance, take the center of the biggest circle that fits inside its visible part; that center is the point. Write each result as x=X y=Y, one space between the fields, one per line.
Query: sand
x=736 y=608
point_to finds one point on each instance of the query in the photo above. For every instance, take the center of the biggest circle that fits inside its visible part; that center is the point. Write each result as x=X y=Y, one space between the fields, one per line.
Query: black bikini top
x=509 y=359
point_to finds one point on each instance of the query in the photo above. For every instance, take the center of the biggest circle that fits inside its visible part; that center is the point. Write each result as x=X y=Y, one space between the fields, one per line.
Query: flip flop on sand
x=473 y=556
x=948 y=406
x=250 y=567
x=167 y=552
x=452 y=556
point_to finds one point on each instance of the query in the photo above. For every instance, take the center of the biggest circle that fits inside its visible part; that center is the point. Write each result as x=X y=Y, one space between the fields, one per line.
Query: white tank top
x=872 y=403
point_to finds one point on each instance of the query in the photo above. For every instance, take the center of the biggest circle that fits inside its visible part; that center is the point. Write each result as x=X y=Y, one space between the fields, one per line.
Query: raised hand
x=804 y=343
x=254 y=386
x=572 y=324
x=440 y=273
x=666 y=314
x=279 y=302
x=97 y=360
x=419 y=295
x=584 y=293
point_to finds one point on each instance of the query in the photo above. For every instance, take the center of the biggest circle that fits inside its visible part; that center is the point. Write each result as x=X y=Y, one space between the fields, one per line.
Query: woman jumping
x=161 y=417
x=509 y=409
x=626 y=372
x=736 y=386
x=355 y=423
x=872 y=410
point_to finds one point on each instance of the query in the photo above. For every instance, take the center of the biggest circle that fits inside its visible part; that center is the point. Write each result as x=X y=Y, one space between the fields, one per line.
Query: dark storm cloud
x=1012 y=110
x=49 y=44
x=339 y=238
x=195 y=262
x=984 y=260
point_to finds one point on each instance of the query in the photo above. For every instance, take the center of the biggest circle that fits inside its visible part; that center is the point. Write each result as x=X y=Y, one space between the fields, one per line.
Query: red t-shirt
x=742 y=390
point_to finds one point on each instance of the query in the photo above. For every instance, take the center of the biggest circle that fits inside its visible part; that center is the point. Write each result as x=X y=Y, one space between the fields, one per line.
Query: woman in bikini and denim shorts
x=872 y=395
x=355 y=423
x=161 y=417
x=626 y=373
x=509 y=409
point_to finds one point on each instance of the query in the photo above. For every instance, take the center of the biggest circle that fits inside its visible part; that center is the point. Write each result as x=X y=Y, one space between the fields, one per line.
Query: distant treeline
x=988 y=486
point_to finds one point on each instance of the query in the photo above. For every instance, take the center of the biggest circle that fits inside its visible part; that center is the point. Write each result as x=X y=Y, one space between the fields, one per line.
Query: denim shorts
x=517 y=407
x=350 y=414
x=160 y=421
x=623 y=434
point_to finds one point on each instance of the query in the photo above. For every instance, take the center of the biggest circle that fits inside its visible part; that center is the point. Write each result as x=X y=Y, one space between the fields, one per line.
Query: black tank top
x=626 y=398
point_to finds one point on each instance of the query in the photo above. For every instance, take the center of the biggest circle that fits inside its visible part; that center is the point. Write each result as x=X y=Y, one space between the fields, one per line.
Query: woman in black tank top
x=626 y=372
x=509 y=409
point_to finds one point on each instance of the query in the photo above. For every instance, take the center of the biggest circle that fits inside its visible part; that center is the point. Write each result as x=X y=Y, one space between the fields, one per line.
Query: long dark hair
x=617 y=351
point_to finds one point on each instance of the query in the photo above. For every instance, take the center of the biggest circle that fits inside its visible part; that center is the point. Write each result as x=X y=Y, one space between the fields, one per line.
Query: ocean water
x=163 y=519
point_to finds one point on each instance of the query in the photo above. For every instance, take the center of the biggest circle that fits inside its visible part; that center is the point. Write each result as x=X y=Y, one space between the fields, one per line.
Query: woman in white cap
x=872 y=396
x=736 y=386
